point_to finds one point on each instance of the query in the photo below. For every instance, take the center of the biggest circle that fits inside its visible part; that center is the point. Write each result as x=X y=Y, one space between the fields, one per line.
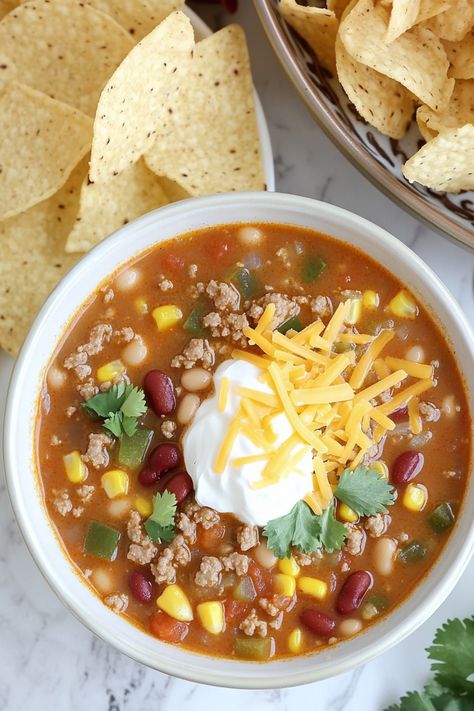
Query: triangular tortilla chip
x=139 y=17
x=317 y=26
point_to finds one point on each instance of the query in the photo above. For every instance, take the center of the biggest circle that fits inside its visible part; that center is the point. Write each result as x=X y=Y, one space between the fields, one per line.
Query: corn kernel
x=115 y=483
x=167 y=316
x=141 y=306
x=381 y=468
x=106 y=373
x=284 y=584
x=211 y=616
x=355 y=311
x=143 y=506
x=415 y=497
x=76 y=470
x=347 y=514
x=403 y=305
x=313 y=586
x=289 y=566
x=295 y=640
x=174 y=602
x=370 y=300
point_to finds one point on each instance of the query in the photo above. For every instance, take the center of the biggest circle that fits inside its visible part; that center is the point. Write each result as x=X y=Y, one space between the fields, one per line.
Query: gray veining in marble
x=48 y=660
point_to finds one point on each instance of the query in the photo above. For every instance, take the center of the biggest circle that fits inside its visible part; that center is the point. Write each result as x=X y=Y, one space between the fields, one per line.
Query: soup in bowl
x=251 y=440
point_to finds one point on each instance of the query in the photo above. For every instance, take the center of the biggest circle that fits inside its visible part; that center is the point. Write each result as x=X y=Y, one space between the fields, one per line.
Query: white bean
x=384 y=555
x=187 y=408
x=102 y=580
x=265 y=556
x=118 y=508
x=127 y=279
x=196 y=379
x=415 y=353
x=250 y=236
x=135 y=352
x=56 y=377
x=350 y=627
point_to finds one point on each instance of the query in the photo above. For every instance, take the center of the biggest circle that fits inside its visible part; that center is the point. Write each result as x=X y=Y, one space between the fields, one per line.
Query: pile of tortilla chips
x=400 y=60
x=108 y=109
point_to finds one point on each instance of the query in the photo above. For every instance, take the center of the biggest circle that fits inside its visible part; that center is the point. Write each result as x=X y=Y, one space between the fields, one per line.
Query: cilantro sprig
x=160 y=525
x=364 y=491
x=452 y=653
x=305 y=531
x=119 y=407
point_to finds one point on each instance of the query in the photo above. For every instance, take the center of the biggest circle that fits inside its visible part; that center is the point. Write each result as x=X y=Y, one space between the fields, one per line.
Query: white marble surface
x=49 y=661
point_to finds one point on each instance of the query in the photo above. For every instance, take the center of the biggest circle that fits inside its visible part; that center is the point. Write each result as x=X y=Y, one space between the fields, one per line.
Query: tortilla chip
x=139 y=17
x=459 y=111
x=455 y=23
x=64 y=48
x=316 y=26
x=381 y=101
x=33 y=260
x=446 y=163
x=136 y=100
x=7 y=6
x=417 y=59
x=105 y=207
x=7 y=70
x=211 y=144
x=41 y=141
x=173 y=190
x=403 y=15
x=431 y=8
x=461 y=56
x=337 y=6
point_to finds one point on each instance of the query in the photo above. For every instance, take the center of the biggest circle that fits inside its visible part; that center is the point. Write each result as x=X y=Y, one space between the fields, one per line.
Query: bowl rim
x=225 y=674
x=346 y=143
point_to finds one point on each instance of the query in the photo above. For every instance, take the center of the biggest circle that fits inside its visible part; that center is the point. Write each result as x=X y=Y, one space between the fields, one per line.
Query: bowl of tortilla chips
x=110 y=109
x=391 y=82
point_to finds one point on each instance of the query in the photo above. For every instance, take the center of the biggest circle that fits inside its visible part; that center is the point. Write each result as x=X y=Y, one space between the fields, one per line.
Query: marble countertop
x=48 y=660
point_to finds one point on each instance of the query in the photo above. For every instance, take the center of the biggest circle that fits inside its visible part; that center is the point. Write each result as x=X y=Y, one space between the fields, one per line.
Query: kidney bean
x=406 y=467
x=352 y=592
x=148 y=477
x=141 y=586
x=159 y=392
x=400 y=415
x=164 y=457
x=317 y=622
x=179 y=484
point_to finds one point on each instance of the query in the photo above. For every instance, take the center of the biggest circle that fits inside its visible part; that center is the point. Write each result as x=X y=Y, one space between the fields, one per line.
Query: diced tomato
x=208 y=538
x=234 y=611
x=262 y=579
x=166 y=628
x=172 y=262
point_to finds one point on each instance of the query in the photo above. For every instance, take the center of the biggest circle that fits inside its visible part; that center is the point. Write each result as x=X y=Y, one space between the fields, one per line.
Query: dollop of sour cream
x=232 y=491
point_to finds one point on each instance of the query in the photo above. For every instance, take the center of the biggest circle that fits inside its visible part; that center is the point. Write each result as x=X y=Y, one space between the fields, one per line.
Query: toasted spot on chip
x=105 y=207
x=41 y=141
x=317 y=26
x=461 y=56
x=403 y=15
x=64 y=48
x=33 y=260
x=7 y=6
x=139 y=17
x=7 y=70
x=455 y=22
x=337 y=6
x=211 y=142
x=458 y=112
x=381 y=101
x=417 y=59
x=445 y=163
x=134 y=104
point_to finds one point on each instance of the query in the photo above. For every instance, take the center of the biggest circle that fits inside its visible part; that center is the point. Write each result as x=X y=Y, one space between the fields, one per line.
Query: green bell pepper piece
x=412 y=552
x=246 y=282
x=313 y=267
x=193 y=323
x=293 y=324
x=101 y=540
x=442 y=517
x=133 y=449
x=257 y=649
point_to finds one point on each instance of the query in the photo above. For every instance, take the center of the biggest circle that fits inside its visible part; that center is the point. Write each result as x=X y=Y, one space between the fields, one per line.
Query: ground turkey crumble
x=224 y=296
x=168 y=428
x=62 y=502
x=377 y=525
x=142 y=549
x=118 y=602
x=355 y=540
x=197 y=350
x=429 y=412
x=253 y=625
x=227 y=325
x=209 y=573
x=174 y=555
x=247 y=537
x=285 y=308
x=237 y=562
x=97 y=454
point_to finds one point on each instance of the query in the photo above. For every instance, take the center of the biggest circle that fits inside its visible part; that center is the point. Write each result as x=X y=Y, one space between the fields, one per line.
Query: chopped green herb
x=193 y=323
x=364 y=491
x=133 y=449
x=160 y=525
x=378 y=601
x=313 y=267
x=442 y=517
x=101 y=540
x=248 y=284
x=413 y=552
x=293 y=324
x=304 y=530
x=119 y=407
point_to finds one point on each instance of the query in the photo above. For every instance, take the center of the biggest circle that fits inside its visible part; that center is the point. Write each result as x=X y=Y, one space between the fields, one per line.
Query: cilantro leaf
x=160 y=525
x=305 y=531
x=364 y=491
x=119 y=407
x=413 y=701
x=453 y=654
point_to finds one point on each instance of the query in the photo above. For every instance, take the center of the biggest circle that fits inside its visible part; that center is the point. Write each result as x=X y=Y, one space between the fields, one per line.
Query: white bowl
x=21 y=408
